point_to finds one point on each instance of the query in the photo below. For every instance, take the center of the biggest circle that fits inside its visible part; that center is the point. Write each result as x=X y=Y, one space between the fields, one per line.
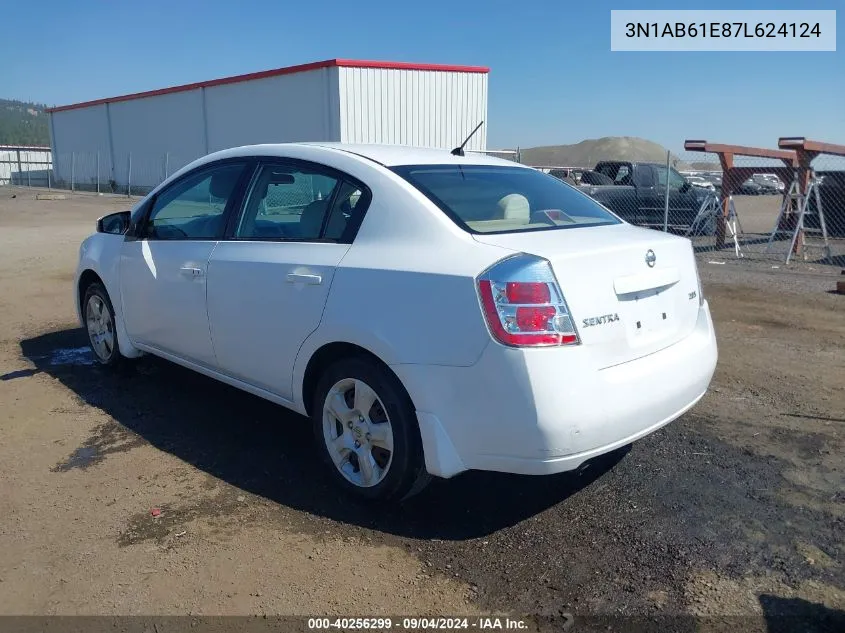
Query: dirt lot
x=738 y=508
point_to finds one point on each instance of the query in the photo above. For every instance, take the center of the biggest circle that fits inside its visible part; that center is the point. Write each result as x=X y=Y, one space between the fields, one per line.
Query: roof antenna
x=459 y=151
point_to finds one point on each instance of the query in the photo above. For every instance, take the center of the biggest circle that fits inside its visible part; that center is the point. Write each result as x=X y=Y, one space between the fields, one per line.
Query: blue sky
x=553 y=78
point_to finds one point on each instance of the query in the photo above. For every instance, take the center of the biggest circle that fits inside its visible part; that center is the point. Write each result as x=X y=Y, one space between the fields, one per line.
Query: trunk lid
x=623 y=308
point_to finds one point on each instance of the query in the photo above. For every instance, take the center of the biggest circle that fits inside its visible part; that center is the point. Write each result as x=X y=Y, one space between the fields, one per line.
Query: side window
x=676 y=181
x=347 y=212
x=644 y=176
x=287 y=202
x=290 y=202
x=608 y=169
x=194 y=208
x=623 y=176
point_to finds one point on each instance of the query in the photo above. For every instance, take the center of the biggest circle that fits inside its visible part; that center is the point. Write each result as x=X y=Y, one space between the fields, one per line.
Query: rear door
x=163 y=264
x=268 y=281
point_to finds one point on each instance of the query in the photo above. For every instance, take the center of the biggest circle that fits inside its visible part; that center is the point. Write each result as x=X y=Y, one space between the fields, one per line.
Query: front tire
x=100 y=325
x=367 y=431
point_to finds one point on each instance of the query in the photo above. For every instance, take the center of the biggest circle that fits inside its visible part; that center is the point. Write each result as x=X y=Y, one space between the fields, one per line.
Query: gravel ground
x=735 y=510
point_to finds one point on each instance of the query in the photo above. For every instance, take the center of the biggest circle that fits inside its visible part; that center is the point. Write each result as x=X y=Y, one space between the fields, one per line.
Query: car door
x=164 y=262
x=268 y=281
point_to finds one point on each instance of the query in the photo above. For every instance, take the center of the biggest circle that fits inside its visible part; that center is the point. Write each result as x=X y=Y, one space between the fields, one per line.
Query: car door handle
x=313 y=280
x=190 y=271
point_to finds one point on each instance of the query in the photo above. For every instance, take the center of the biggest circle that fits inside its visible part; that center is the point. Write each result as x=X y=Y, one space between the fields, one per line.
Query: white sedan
x=432 y=313
x=702 y=183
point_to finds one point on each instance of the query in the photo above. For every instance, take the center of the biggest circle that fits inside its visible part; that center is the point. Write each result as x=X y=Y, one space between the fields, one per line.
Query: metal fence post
x=98 y=171
x=129 y=177
x=166 y=164
x=666 y=197
x=49 y=171
x=29 y=175
x=72 y=172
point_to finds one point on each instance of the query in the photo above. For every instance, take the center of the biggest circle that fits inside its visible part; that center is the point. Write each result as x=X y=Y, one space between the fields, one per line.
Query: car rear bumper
x=543 y=411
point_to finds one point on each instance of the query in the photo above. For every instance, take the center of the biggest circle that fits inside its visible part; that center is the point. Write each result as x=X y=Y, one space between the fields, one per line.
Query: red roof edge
x=287 y=70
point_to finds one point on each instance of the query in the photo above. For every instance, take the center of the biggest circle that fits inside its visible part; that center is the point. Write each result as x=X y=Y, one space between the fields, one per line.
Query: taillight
x=698 y=281
x=523 y=304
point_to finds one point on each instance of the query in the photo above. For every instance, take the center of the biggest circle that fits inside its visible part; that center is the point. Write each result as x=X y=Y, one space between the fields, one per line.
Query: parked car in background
x=637 y=192
x=749 y=188
x=591 y=177
x=570 y=175
x=430 y=313
x=769 y=183
x=715 y=180
x=700 y=181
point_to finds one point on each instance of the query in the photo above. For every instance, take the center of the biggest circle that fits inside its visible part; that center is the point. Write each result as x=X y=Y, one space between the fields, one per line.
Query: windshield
x=493 y=199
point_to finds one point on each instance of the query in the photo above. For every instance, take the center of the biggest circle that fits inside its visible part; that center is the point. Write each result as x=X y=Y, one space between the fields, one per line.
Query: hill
x=588 y=153
x=706 y=166
x=23 y=123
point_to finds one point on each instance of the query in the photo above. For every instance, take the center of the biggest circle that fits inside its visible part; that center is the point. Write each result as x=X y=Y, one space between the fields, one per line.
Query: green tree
x=23 y=123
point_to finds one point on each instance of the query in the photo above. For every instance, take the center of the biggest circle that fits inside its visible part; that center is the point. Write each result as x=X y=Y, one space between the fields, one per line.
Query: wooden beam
x=817 y=147
x=740 y=150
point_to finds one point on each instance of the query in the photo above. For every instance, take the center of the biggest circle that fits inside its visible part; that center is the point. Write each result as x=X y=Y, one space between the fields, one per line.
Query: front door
x=164 y=265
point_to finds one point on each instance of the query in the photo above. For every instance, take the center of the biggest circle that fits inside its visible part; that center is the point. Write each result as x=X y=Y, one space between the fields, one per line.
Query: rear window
x=492 y=199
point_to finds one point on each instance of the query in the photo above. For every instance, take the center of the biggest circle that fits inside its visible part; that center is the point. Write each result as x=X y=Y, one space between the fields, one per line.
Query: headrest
x=312 y=218
x=515 y=206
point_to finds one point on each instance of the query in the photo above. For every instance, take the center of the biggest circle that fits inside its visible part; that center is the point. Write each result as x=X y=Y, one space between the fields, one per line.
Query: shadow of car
x=269 y=451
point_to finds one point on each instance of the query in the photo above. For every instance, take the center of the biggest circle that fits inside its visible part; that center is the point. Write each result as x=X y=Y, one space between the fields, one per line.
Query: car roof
x=388 y=155
x=392 y=155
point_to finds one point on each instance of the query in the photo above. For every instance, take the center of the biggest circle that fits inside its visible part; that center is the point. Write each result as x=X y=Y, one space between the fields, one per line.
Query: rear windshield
x=493 y=199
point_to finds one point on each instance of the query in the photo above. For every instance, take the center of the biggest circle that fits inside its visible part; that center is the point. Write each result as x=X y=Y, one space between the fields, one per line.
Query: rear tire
x=100 y=325
x=367 y=431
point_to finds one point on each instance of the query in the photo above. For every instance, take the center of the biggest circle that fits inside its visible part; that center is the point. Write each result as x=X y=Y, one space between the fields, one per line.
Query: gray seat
x=311 y=220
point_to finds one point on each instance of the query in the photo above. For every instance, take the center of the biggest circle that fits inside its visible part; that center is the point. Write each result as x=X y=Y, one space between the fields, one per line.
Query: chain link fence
x=762 y=214
x=768 y=215
x=129 y=174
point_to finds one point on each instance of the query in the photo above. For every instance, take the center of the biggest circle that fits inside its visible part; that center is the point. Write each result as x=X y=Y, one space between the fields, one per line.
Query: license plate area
x=649 y=316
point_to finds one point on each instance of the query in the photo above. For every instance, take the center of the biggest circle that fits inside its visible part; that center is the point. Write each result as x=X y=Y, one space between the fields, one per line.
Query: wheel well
x=324 y=357
x=86 y=279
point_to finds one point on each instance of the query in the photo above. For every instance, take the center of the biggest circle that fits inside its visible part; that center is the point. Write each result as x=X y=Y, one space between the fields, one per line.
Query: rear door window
x=294 y=202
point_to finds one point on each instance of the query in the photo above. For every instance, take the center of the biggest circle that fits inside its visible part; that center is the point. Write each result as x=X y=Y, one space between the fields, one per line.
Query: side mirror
x=114 y=223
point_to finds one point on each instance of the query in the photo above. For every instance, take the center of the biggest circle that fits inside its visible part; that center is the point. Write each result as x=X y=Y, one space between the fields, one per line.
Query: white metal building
x=25 y=165
x=153 y=133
